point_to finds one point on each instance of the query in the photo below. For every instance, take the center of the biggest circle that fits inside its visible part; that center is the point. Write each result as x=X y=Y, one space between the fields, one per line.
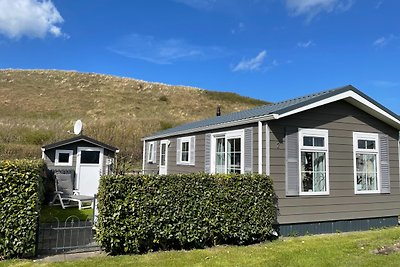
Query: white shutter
x=207 y=153
x=384 y=162
x=248 y=150
x=292 y=162
x=155 y=151
x=178 y=150
x=192 y=150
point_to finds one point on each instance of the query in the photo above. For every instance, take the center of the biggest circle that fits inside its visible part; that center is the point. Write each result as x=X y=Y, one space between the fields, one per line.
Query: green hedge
x=151 y=212
x=20 y=191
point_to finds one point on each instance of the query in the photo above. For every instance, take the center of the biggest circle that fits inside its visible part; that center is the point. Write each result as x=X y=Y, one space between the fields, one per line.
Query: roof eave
x=356 y=98
x=77 y=139
x=215 y=126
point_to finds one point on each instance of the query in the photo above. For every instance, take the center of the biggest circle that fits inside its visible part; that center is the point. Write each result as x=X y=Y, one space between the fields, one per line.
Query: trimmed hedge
x=20 y=190
x=152 y=212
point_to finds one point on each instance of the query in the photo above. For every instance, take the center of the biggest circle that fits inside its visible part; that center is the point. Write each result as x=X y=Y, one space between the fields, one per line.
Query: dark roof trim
x=287 y=108
x=77 y=139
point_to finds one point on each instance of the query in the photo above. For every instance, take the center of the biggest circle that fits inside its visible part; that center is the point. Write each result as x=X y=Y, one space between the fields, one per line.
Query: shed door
x=89 y=168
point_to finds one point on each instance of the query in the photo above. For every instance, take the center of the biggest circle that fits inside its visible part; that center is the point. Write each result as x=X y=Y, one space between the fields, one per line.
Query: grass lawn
x=344 y=249
x=48 y=214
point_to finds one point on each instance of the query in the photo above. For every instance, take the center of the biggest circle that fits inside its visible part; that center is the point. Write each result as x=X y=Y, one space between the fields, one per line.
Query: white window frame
x=314 y=133
x=372 y=137
x=151 y=146
x=181 y=140
x=227 y=135
x=66 y=151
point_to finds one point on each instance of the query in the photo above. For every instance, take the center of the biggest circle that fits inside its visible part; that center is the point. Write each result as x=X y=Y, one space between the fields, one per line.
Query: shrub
x=151 y=212
x=163 y=98
x=20 y=190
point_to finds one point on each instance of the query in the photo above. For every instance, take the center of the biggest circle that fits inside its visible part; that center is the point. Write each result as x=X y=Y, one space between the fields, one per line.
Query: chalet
x=333 y=157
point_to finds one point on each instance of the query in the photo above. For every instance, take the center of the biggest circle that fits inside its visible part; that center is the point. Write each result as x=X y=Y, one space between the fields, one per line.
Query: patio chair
x=65 y=193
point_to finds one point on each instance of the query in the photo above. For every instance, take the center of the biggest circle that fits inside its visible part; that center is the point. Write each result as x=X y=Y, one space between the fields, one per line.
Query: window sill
x=185 y=164
x=63 y=165
x=314 y=194
x=367 y=192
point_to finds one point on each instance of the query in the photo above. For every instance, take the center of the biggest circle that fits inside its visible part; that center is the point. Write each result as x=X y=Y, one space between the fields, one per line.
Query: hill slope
x=39 y=106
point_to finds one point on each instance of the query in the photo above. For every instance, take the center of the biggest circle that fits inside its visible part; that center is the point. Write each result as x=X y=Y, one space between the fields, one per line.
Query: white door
x=163 y=156
x=89 y=168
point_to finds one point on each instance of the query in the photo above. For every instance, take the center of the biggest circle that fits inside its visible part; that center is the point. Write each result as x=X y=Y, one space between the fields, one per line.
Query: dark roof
x=77 y=139
x=269 y=109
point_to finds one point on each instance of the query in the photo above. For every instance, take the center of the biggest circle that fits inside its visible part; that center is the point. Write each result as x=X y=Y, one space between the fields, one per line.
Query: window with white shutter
x=185 y=150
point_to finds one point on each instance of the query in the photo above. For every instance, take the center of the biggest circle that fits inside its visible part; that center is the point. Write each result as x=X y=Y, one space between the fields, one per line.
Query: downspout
x=260 y=140
x=267 y=150
x=143 y=157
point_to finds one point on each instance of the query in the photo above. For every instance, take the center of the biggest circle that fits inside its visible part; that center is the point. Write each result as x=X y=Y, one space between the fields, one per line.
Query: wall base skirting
x=299 y=229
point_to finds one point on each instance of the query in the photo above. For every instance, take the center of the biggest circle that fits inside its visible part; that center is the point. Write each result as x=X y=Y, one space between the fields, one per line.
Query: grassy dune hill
x=40 y=106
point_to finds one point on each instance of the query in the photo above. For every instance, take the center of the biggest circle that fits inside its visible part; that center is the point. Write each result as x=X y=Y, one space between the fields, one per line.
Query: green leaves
x=182 y=211
x=20 y=183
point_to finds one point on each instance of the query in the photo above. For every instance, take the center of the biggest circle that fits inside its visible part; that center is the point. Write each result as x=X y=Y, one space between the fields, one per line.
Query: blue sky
x=266 y=49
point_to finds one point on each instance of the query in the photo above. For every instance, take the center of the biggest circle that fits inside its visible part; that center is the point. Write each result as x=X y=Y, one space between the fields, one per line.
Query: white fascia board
x=260 y=140
x=216 y=126
x=354 y=99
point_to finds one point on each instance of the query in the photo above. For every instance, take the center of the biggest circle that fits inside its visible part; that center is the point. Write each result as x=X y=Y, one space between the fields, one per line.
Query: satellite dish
x=78 y=127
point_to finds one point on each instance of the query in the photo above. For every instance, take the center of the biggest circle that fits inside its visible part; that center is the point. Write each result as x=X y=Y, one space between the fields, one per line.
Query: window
x=151 y=152
x=313 y=162
x=185 y=150
x=90 y=157
x=63 y=158
x=366 y=155
x=227 y=152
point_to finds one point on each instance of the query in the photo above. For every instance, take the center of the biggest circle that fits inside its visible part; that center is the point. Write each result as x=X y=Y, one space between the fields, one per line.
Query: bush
x=151 y=212
x=20 y=191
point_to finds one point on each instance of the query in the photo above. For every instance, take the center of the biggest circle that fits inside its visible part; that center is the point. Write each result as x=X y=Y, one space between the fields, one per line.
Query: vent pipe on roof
x=218 y=111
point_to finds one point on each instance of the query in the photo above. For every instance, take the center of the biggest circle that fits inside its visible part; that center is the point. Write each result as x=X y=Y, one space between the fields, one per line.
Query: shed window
x=63 y=158
x=90 y=157
x=313 y=161
x=366 y=155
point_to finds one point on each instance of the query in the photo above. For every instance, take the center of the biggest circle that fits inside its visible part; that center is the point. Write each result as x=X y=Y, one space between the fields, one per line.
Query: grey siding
x=200 y=152
x=340 y=119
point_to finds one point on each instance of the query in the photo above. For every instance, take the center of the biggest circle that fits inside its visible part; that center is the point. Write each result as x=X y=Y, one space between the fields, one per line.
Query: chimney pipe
x=218 y=111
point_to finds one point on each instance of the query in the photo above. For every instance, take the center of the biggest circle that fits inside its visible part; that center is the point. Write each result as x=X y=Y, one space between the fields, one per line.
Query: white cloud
x=251 y=64
x=384 y=40
x=239 y=28
x=199 y=4
x=379 y=4
x=305 y=44
x=151 y=49
x=32 y=18
x=311 y=8
x=384 y=83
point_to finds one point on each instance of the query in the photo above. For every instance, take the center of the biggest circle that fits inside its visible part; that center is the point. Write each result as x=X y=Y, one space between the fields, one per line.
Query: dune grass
x=342 y=249
x=40 y=106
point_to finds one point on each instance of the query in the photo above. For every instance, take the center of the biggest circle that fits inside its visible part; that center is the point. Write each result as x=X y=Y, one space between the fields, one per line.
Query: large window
x=366 y=155
x=185 y=150
x=63 y=158
x=227 y=152
x=313 y=161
